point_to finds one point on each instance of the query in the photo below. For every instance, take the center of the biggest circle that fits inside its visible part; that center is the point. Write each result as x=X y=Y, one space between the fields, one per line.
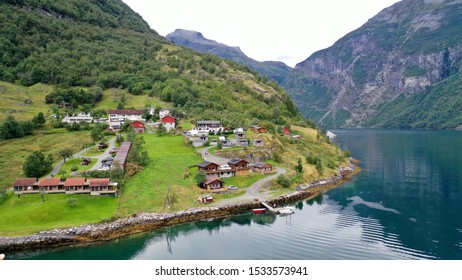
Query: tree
x=36 y=165
x=3 y=194
x=319 y=167
x=41 y=119
x=11 y=128
x=161 y=130
x=284 y=181
x=65 y=153
x=200 y=178
x=96 y=134
x=299 y=167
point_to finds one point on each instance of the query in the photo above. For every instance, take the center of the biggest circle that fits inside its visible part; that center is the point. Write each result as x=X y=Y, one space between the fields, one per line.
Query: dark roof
x=74 y=182
x=236 y=160
x=99 y=182
x=211 y=180
x=261 y=164
x=24 y=182
x=49 y=182
x=205 y=164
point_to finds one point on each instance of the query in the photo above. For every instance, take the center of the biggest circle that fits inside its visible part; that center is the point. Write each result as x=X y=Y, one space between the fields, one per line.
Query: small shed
x=138 y=126
x=213 y=184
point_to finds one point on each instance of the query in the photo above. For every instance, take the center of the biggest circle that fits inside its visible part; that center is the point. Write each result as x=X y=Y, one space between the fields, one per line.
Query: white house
x=123 y=115
x=80 y=117
x=168 y=122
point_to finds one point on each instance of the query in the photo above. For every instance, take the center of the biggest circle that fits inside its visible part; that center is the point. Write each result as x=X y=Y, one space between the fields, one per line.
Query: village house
x=25 y=185
x=263 y=167
x=213 y=184
x=226 y=144
x=51 y=185
x=241 y=166
x=98 y=186
x=138 y=126
x=240 y=135
x=258 y=129
x=164 y=113
x=209 y=126
x=169 y=122
x=258 y=142
x=242 y=142
x=123 y=115
x=81 y=117
x=286 y=131
x=213 y=170
x=102 y=186
x=76 y=185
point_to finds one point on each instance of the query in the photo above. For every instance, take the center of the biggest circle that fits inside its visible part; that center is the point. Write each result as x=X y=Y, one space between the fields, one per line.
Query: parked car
x=232 y=188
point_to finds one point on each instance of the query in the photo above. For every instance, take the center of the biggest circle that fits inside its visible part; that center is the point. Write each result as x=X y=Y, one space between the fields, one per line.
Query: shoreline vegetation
x=143 y=222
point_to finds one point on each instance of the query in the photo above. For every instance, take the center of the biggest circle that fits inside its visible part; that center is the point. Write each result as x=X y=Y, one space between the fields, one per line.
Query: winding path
x=252 y=192
x=80 y=154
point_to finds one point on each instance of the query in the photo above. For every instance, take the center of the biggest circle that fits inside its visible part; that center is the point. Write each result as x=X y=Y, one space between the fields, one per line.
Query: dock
x=278 y=210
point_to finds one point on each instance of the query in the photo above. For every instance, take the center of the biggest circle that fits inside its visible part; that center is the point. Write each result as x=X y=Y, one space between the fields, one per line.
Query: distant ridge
x=274 y=70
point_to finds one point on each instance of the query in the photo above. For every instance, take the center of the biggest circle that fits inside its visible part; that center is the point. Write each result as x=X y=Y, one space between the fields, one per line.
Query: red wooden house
x=76 y=185
x=51 y=185
x=138 y=126
x=25 y=185
x=168 y=122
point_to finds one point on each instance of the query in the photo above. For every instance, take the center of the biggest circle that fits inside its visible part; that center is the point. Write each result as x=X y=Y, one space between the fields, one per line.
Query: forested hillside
x=106 y=45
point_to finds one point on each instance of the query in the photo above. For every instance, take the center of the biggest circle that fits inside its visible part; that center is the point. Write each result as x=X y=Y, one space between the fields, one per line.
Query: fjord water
x=405 y=204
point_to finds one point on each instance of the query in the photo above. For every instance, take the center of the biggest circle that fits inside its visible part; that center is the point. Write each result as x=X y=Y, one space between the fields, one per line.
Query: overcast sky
x=281 y=30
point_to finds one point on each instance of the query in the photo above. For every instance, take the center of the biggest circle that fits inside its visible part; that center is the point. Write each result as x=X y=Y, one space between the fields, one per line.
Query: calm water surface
x=406 y=204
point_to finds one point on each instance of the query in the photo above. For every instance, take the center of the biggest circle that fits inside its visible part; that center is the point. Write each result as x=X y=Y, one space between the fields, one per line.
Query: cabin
x=102 y=186
x=239 y=165
x=242 y=142
x=169 y=122
x=138 y=126
x=263 y=167
x=25 y=185
x=85 y=161
x=286 y=131
x=226 y=144
x=240 y=135
x=258 y=129
x=213 y=184
x=206 y=198
x=208 y=167
x=51 y=185
x=258 y=142
x=76 y=186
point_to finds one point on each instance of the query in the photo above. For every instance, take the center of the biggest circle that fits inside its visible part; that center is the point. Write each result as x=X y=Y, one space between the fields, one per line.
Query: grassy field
x=13 y=101
x=25 y=215
x=170 y=160
x=15 y=151
x=112 y=97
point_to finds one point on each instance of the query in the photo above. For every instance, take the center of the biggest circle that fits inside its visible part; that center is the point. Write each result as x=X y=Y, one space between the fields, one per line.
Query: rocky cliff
x=400 y=69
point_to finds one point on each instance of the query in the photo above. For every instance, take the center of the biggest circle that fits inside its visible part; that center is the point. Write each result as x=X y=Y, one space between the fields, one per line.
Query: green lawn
x=147 y=190
x=15 y=151
x=75 y=162
x=244 y=181
x=26 y=215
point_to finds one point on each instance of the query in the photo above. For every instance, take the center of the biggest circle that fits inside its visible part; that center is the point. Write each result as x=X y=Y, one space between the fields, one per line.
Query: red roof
x=168 y=119
x=74 y=182
x=125 y=112
x=24 y=182
x=286 y=130
x=99 y=182
x=49 y=182
x=137 y=124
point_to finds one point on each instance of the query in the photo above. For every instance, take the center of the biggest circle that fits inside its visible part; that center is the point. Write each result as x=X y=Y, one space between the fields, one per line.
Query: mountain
x=195 y=40
x=400 y=69
x=79 y=44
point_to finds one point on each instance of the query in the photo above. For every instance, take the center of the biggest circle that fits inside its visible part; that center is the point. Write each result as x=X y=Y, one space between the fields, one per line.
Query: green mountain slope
x=105 y=44
x=400 y=69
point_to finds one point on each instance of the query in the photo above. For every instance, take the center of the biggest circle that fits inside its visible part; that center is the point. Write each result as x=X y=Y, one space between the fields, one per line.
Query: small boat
x=259 y=210
x=286 y=210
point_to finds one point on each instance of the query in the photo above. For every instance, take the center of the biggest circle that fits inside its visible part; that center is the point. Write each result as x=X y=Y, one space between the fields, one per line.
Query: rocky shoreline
x=149 y=221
